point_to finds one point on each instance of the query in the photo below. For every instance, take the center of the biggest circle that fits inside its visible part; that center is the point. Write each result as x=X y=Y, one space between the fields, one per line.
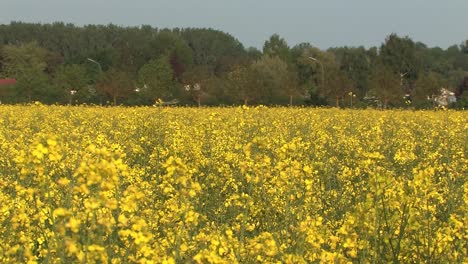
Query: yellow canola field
x=232 y=185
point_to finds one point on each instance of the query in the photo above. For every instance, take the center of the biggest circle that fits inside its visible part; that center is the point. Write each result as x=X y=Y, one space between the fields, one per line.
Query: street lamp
x=401 y=77
x=323 y=72
x=98 y=64
x=100 y=72
x=72 y=93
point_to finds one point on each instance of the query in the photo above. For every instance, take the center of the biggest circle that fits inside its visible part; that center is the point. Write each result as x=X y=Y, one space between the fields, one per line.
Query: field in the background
x=226 y=185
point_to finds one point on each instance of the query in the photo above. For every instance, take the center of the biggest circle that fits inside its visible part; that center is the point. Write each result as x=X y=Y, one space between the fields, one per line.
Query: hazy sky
x=323 y=23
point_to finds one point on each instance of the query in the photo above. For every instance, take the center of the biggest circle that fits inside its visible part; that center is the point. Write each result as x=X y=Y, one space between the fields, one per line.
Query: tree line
x=109 y=64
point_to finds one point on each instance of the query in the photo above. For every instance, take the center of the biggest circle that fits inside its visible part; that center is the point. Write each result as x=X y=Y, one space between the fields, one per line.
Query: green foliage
x=173 y=46
x=115 y=84
x=254 y=53
x=315 y=99
x=462 y=101
x=355 y=62
x=210 y=46
x=385 y=85
x=26 y=63
x=277 y=46
x=399 y=55
x=45 y=59
x=307 y=70
x=277 y=79
x=243 y=85
x=338 y=86
x=273 y=78
x=71 y=80
x=315 y=69
x=426 y=86
x=156 y=79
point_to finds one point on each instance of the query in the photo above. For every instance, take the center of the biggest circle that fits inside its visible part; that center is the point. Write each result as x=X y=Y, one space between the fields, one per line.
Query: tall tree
x=277 y=46
x=399 y=55
x=272 y=74
x=254 y=53
x=26 y=63
x=243 y=85
x=128 y=49
x=116 y=85
x=427 y=85
x=355 y=63
x=316 y=69
x=291 y=87
x=71 y=80
x=338 y=85
x=210 y=46
x=156 y=78
x=196 y=80
x=172 y=45
x=385 y=85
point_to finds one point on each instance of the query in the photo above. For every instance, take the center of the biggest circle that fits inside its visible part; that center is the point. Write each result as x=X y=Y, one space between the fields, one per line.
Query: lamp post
x=72 y=93
x=401 y=78
x=98 y=64
x=100 y=72
x=323 y=72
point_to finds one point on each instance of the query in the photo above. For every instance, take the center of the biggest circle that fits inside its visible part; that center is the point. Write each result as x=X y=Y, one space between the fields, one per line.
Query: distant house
x=445 y=98
x=7 y=81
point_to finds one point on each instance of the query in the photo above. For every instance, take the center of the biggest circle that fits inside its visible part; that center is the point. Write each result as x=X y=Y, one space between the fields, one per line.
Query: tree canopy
x=63 y=63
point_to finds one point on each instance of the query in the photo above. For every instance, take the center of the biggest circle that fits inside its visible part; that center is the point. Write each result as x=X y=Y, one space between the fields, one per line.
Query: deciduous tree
x=427 y=85
x=26 y=63
x=116 y=85
x=385 y=85
x=71 y=80
x=243 y=85
x=157 y=81
x=277 y=46
x=399 y=55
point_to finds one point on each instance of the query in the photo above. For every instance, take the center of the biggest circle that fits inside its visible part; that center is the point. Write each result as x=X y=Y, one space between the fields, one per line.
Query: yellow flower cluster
x=232 y=185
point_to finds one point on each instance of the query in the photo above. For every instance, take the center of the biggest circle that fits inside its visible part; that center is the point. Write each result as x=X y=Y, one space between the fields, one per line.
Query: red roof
x=7 y=81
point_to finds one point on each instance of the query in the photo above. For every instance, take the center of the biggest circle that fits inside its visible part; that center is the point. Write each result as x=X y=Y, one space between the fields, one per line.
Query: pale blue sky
x=323 y=23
